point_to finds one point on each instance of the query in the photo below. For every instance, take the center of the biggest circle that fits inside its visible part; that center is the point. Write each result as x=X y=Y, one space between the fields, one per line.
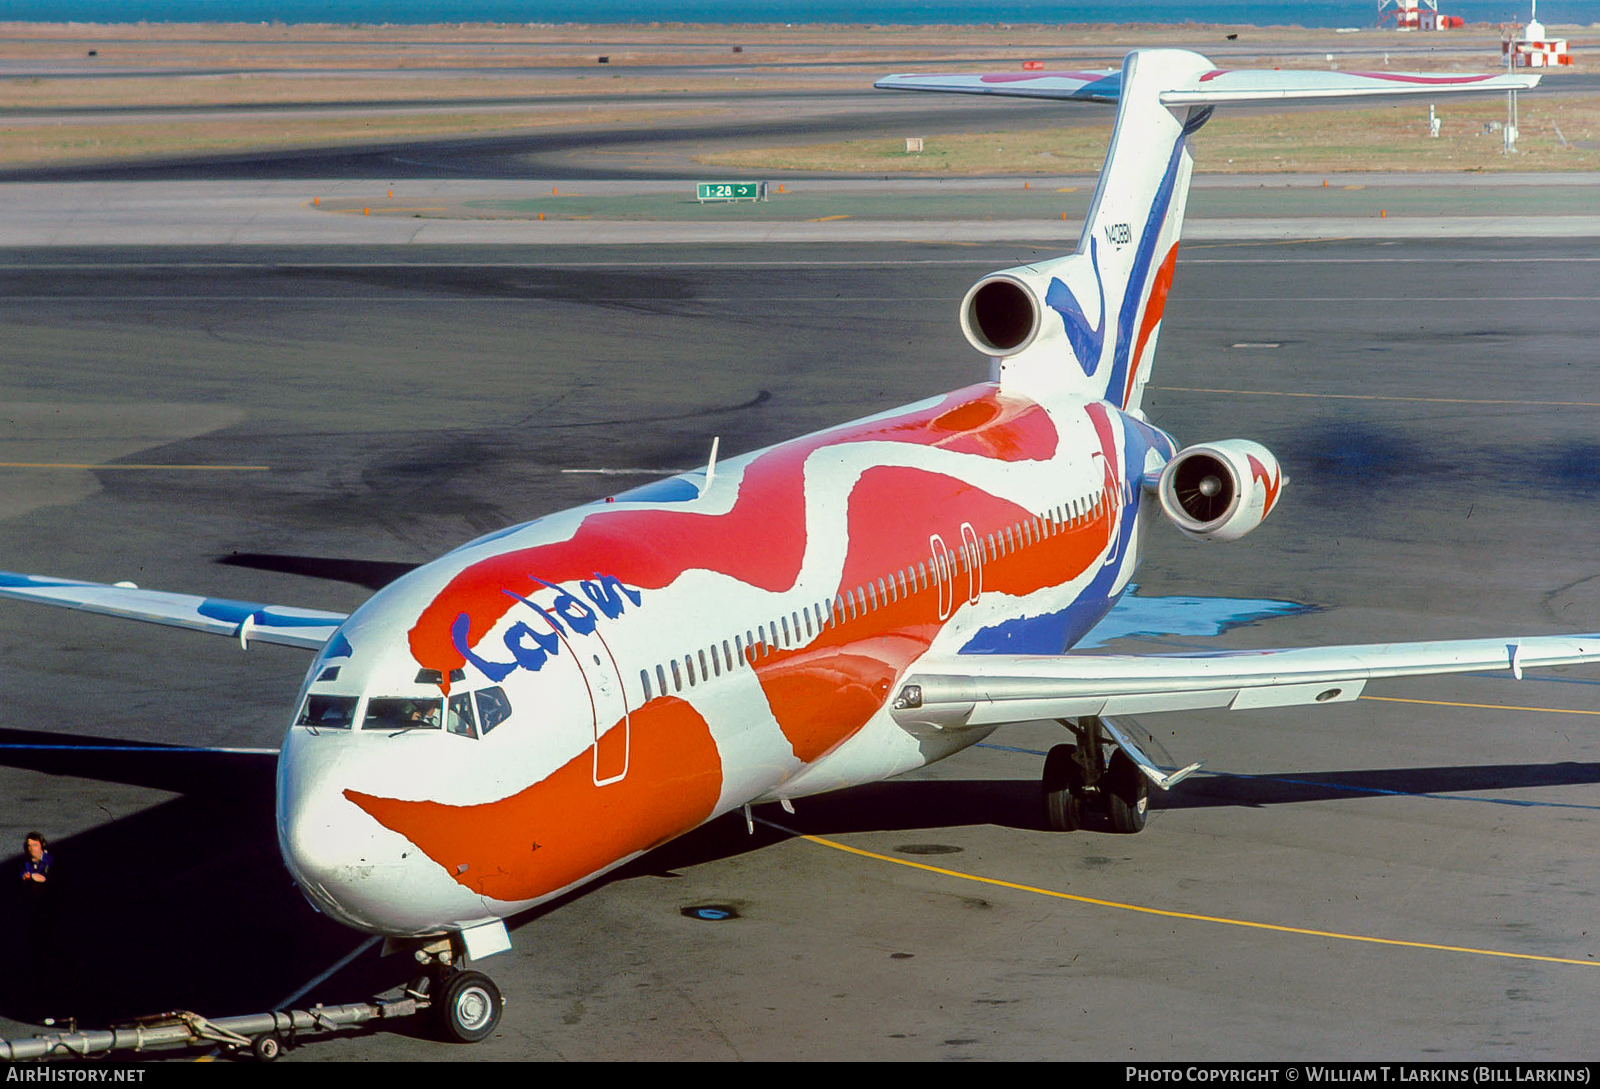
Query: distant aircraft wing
x=991 y=689
x=246 y=621
x=1095 y=86
x=1214 y=88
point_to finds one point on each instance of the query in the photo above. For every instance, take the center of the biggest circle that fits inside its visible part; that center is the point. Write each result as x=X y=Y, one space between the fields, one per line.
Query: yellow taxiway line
x=1191 y=916
x=1483 y=706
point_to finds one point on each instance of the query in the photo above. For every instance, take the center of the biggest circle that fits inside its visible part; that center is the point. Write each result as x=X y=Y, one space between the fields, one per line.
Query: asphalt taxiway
x=1412 y=875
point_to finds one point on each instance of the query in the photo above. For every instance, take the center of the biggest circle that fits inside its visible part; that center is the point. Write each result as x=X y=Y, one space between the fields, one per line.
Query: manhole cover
x=929 y=849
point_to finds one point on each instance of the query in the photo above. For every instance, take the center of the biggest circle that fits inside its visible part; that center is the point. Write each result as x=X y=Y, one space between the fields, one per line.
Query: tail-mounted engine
x=1003 y=313
x=1219 y=491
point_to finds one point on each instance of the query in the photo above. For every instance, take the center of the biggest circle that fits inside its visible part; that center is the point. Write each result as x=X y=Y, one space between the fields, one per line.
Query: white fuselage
x=673 y=653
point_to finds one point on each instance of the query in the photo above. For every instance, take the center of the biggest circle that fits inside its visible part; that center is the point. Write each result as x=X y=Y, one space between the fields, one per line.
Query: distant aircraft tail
x=1088 y=322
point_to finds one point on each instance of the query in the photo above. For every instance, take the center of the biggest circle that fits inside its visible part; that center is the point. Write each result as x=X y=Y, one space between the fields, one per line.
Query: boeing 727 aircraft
x=545 y=703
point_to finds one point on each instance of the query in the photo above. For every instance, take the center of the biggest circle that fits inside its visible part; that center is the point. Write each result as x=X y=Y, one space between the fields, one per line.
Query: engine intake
x=1220 y=491
x=1001 y=315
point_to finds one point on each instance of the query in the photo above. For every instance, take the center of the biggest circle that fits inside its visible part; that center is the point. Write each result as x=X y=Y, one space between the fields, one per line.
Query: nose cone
x=350 y=867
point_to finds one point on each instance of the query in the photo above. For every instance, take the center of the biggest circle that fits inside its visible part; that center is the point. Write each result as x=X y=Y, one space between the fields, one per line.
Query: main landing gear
x=466 y=1005
x=1080 y=779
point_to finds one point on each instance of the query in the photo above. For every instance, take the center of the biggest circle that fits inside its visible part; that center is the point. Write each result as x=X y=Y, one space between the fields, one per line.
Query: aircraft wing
x=991 y=689
x=1217 y=87
x=285 y=625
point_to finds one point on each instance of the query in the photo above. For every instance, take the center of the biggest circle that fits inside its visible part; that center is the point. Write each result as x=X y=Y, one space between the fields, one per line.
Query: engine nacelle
x=1003 y=313
x=1219 y=491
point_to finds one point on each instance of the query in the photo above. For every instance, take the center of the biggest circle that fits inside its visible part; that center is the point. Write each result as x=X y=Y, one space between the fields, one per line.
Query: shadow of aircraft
x=187 y=904
x=373 y=574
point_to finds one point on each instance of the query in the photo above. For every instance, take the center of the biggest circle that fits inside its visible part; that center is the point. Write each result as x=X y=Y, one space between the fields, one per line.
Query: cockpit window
x=458 y=716
x=493 y=708
x=329 y=674
x=328 y=712
x=401 y=713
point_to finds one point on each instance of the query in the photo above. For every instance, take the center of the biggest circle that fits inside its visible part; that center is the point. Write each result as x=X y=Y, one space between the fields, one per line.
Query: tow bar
x=262 y=1036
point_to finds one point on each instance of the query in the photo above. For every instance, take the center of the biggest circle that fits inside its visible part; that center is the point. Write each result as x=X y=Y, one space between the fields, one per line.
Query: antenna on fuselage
x=711 y=465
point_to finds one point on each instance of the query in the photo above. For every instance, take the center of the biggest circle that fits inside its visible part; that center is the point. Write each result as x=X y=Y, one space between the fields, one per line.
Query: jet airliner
x=545 y=703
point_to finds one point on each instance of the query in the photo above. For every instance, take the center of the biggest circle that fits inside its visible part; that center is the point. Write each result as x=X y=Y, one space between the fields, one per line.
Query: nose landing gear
x=465 y=1005
x=468 y=1007
x=1080 y=779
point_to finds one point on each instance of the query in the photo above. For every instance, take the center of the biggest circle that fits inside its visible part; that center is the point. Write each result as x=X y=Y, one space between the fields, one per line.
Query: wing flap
x=246 y=621
x=989 y=690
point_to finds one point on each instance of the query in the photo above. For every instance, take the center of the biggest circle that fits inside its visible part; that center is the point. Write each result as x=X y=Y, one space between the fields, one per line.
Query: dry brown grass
x=33 y=143
x=1393 y=138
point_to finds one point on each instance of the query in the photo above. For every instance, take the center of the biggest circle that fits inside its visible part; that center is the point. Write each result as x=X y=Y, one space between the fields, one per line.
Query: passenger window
x=493 y=708
x=677 y=678
x=661 y=676
x=644 y=683
x=328 y=712
x=401 y=713
x=727 y=655
x=785 y=621
x=688 y=665
x=458 y=716
x=738 y=648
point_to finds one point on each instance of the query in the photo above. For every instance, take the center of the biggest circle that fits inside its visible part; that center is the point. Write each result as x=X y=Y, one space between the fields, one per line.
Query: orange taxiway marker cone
x=366 y=211
x=316 y=200
x=1383 y=213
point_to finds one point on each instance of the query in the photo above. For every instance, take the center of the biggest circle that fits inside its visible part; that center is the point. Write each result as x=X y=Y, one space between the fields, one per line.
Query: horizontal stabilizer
x=993 y=689
x=1216 y=87
x=246 y=621
x=1272 y=85
x=1097 y=86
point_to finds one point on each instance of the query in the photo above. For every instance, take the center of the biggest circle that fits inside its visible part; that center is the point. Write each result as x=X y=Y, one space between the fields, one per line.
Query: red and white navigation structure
x=1533 y=49
x=1417 y=15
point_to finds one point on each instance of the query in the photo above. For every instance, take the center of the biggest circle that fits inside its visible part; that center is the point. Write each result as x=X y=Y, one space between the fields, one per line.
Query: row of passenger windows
x=786 y=631
x=468 y=714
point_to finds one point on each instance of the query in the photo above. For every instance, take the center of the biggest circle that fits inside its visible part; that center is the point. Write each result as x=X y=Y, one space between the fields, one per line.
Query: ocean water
x=1309 y=13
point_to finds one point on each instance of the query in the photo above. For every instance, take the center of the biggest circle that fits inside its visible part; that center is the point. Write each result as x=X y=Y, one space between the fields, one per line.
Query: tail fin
x=1087 y=323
